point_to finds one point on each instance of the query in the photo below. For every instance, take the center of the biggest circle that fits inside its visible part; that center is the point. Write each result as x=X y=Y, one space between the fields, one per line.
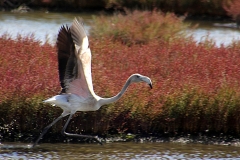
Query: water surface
x=45 y=26
x=222 y=33
x=125 y=150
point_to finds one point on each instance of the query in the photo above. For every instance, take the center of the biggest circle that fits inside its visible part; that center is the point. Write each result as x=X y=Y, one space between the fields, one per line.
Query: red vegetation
x=27 y=68
x=192 y=84
x=172 y=67
x=232 y=8
x=195 y=87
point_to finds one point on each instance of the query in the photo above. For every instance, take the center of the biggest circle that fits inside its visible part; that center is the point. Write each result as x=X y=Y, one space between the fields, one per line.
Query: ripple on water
x=126 y=150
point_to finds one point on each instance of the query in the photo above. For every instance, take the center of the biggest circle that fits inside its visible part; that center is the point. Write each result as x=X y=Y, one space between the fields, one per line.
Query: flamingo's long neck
x=104 y=101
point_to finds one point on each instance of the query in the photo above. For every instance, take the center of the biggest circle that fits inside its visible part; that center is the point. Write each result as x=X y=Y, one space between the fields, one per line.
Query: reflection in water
x=126 y=150
x=45 y=26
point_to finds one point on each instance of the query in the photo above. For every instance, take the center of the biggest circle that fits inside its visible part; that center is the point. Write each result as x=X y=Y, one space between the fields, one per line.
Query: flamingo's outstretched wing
x=66 y=60
x=78 y=78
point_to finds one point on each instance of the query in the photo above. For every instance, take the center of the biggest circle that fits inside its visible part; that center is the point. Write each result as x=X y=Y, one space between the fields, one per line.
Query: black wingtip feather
x=64 y=47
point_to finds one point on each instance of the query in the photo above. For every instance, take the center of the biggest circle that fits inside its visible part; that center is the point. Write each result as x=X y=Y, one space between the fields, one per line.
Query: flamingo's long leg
x=77 y=135
x=46 y=129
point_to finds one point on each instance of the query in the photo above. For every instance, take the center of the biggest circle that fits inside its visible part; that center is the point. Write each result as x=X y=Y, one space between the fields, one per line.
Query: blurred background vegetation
x=191 y=7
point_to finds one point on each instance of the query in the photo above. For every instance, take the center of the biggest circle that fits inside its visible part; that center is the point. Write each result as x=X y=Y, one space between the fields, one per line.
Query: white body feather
x=71 y=103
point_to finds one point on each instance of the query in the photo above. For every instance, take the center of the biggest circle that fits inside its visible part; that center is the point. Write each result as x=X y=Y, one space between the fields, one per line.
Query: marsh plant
x=195 y=85
x=138 y=27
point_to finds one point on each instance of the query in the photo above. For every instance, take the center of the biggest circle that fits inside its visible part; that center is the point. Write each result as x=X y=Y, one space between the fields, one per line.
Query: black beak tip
x=150 y=86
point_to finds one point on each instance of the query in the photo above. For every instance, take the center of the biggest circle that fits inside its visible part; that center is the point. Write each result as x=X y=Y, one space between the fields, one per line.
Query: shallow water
x=45 y=26
x=218 y=31
x=124 y=150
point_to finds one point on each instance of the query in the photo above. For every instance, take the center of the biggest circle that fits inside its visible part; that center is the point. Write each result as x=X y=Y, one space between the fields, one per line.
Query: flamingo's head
x=140 y=78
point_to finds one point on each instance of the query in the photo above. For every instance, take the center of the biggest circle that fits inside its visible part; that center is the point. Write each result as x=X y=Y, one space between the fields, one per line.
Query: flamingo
x=74 y=64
